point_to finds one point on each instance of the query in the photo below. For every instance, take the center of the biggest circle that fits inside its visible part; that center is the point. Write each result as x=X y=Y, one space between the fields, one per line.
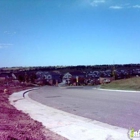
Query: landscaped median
x=16 y=125
x=124 y=84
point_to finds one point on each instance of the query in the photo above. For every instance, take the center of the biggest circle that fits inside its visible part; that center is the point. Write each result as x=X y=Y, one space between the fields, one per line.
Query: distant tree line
x=73 y=68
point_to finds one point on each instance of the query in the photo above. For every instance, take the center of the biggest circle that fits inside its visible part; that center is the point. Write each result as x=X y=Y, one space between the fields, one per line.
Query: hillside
x=124 y=84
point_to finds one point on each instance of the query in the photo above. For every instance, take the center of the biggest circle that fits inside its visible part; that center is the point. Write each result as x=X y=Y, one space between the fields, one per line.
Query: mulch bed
x=16 y=125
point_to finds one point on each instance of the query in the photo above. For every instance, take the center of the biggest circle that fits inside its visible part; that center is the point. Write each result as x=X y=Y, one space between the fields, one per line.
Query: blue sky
x=69 y=32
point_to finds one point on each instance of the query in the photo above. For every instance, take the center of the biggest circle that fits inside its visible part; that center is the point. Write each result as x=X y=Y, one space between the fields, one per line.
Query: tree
x=21 y=78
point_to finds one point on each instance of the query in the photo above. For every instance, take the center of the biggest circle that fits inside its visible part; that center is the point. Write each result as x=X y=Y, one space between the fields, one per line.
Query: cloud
x=9 y=33
x=116 y=7
x=136 y=6
x=127 y=5
x=5 y=45
x=6 y=32
x=109 y=4
x=96 y=2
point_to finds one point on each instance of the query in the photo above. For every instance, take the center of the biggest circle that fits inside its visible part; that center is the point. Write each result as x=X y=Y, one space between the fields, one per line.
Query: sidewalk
x=65 y=124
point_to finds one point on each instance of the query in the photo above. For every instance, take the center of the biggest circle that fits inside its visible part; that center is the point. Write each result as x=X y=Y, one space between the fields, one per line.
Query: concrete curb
x=29 y=91
x=118 y=90
x=70 y=126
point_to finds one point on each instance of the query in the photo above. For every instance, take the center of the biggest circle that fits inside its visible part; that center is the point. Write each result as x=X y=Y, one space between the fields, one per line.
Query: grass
x=124 y=84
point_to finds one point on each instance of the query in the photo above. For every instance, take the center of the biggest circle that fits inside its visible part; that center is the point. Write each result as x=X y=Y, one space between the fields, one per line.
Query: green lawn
x=124 y=84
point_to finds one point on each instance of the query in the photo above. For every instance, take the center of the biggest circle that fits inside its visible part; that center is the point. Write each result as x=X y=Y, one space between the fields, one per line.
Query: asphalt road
x=115 y=108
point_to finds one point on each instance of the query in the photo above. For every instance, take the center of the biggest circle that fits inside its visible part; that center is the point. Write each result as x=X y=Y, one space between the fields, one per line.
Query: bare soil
x=16 y=125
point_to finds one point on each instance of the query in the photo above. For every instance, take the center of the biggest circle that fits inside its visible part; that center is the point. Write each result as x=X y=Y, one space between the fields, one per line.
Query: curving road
x=115 y=108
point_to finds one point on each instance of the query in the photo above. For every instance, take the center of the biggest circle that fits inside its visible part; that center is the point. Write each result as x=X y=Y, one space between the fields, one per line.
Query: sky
x=69 y=32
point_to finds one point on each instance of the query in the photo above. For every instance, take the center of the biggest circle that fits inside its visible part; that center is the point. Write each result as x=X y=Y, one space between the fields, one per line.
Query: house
x=49 y=77
x=93 y=74
x=53 y=76
x=75 y=76
x=66 y=76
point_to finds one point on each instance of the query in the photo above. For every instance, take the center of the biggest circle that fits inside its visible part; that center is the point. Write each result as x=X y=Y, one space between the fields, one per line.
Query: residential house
x=73 y=77
x=93 y=74
x=49 y=77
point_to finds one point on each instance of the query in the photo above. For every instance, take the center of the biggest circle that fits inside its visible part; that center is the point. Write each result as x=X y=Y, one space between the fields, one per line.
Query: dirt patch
x=16 y=125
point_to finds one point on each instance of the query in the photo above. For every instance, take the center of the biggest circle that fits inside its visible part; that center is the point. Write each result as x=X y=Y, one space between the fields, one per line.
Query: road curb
x=117 y=90
x=68 y=125
x=29 y=91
